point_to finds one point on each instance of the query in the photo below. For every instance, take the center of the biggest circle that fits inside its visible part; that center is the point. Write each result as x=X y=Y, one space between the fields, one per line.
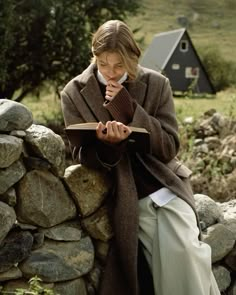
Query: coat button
x=155 y=205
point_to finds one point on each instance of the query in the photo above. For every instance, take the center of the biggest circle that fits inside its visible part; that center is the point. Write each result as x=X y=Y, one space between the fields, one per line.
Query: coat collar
x=93 y=96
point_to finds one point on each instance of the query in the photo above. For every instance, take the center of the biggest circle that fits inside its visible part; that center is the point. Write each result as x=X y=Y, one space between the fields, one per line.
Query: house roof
x=165 y=43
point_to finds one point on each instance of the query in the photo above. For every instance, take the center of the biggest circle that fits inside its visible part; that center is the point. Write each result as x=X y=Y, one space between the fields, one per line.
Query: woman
x=153 y=203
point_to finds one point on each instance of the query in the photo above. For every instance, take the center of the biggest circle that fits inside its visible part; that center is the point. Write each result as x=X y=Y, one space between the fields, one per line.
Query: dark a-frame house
x=173 y=54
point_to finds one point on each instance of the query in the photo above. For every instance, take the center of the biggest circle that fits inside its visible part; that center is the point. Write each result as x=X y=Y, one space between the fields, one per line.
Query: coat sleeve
x=70 y=112
x=71 y=116
x=159 y=119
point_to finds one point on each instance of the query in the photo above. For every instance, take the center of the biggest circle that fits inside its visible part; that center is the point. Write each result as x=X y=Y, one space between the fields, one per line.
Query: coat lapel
x=94 y=99
x=137 y=90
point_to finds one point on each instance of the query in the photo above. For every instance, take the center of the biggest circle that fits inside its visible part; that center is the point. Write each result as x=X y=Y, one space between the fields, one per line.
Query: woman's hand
x=112 y=132
x=112 y=89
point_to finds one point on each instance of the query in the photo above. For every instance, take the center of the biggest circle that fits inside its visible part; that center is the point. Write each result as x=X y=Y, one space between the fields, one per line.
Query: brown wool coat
x=82 y=101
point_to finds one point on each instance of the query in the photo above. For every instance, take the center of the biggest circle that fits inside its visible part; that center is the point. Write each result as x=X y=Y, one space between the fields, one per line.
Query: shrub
x=220 y=71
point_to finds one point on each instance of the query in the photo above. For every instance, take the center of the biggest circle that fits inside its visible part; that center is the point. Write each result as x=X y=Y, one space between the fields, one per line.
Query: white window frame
x=192 y=72
x=175 y=67
x=184 y=48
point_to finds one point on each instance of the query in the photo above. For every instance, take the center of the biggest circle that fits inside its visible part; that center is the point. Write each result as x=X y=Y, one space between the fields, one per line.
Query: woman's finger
x=101 y=130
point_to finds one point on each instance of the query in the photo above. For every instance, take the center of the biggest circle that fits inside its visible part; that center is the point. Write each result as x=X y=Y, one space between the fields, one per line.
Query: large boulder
x=14 y=116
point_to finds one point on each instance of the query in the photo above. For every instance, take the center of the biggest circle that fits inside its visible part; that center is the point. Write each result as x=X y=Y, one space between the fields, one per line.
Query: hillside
x=210 y=23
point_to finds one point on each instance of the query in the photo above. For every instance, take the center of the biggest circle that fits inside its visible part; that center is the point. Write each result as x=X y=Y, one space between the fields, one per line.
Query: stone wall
x=54 y=221
x=211 y=146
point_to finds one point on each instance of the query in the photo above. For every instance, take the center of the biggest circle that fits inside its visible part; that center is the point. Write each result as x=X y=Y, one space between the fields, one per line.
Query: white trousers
x=179 y=262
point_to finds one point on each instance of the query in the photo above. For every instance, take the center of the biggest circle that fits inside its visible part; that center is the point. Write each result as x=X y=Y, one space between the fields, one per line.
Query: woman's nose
x=111 y=72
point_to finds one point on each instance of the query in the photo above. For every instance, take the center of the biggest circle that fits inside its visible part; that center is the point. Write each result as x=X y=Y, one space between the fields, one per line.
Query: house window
x=175 y=66
x=184 y=45
x=191 y=72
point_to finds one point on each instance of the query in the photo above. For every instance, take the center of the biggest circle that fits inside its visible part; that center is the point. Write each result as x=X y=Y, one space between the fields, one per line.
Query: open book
x=85 y=133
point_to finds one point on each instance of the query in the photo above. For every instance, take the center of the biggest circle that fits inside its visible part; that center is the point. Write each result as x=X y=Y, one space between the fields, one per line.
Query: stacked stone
x=218 y=223
x=51 y=219
x=54 y=221
x=213 y=155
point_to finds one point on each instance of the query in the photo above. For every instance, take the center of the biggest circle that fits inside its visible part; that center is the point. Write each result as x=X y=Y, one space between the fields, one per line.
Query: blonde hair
x=115 y=36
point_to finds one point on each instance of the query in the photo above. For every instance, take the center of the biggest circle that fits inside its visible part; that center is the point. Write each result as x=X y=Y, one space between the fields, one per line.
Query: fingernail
x=104 y=131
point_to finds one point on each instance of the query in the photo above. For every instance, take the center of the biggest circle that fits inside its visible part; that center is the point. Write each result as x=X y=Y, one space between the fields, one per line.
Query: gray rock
x=11 y=175
x=18 y=133
x=201 y=149
x=210 y=112
x=213 y=142
x=230 y=260
x=211 y=126
x=98 y=225
x=11 y=286
x=222 y=276
x=101 y=250
x=229 y=144
x=16 y=247
x=64 y=232
x=94 y=276
x=32 y=163
x=38 y=240
x=25 y=226
x=12 y=274
x=188 y=120
x=218 y=121
x=90 y=289
x=43 y=200
x=230 y=224
x=74 y=287
x=60 y=261
x=89 y=187
x=229 y=213
x=46 y=144
x=7 y=219
x=198 y=141
x=233 y=162
x=226 y=190
x=208 y=210
x=10 y=149
x=9 y=197
x=14 y=116
x=228 y=208
x=220 y=239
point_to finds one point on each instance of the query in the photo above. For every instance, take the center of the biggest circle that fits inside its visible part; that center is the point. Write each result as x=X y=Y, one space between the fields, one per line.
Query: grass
x=223 y=102
x=209 y=22
x=46 y=108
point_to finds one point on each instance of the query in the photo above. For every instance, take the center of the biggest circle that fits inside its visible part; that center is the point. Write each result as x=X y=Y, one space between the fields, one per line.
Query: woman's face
x=110 y=65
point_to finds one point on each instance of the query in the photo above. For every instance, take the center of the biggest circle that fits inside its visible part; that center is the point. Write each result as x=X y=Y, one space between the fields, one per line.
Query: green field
x=210 y=23
x=223 y=102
